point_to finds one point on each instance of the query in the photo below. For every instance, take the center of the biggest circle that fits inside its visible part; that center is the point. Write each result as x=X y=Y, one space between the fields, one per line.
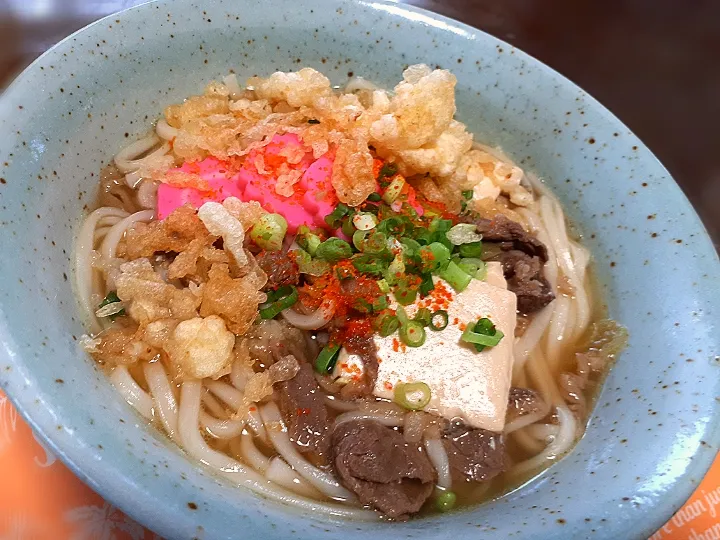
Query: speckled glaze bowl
x=655 y=429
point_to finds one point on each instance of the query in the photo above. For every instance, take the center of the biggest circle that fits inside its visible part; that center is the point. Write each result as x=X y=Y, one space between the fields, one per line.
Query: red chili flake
x=388 y=385
x=253 y=408
x=395 y=345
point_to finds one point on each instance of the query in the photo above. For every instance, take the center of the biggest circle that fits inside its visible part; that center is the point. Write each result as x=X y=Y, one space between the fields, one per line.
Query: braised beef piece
x=510 y=235
x=474 y=454
x=522 y=401
x=304 y=411
x=383 y=470
x=524 y=274
x=364 y=347
x=281 y=269
x=522 y=258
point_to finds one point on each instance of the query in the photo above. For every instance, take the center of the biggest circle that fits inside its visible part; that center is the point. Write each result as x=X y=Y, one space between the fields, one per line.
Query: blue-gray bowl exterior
x=654 y=431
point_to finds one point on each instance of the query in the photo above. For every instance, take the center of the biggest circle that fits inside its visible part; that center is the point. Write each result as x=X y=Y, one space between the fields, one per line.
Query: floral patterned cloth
x=40 y=499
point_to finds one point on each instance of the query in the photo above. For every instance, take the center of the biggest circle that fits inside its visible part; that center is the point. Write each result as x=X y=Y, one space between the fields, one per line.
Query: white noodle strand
x=163 y=397
x=131 y=391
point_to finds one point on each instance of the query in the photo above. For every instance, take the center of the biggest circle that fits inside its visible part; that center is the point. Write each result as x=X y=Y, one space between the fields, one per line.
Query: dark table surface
x=654 y=63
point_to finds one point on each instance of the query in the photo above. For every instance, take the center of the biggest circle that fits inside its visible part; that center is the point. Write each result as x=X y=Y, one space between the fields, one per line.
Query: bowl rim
x=110 y=486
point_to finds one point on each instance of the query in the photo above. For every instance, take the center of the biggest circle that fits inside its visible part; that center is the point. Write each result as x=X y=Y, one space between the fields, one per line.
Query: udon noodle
x=232 y=420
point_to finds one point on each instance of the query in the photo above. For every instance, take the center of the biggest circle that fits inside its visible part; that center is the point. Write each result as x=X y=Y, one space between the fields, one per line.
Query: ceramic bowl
x=654 y=431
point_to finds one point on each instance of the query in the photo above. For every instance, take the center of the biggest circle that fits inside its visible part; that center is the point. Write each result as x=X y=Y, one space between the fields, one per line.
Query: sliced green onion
x=364 y=221
x=422 y=236
x=455 y=276
x=423 y=316
x=405 y=291
x=334 y=219
x=375 y=243
x=412 y=396
x=475 y=267
x=347 y=226
x=473 y=249
x=307 y=240
x=439 y=320
x=401 y=314
x=412 y=247
x=383 y=285
x=343 y=273
x=446 y=500
x=392 y=226
x=395 y=270
x=380 y=303
x=387 y=324
x=433 y=256
x=112 y=298
x=325 y=362
x=440 y=225
x=374 y=197
x=333 y=249
x=369 y=263
x=467 y=194
x=463 y=233
x=482 y=334
x=427 y=285
x=412 y=334
x=281 y=299
x=269 y=232
x=358 y=239
x=393 y=190
x=388 y=169
x=308 y=265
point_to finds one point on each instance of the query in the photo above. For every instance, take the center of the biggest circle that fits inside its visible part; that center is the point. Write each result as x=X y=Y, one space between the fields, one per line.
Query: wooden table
x=654 y=63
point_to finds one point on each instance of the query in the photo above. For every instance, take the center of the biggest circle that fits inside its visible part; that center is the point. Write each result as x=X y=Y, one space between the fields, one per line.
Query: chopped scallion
x=333 y=249
x=472 y=249
x=393 y=190
x=281 y=299
x=388 y=169
x=325 y=362
x=412 y=334
x=387 y=324
x=455 y=276
x=405 y=291
x=307 y=240
x=112 y=298
x=334 y=219
x=364 y=221
x=375 y=243
x=433 y=256
x=358 y=239
x=401 y=314
x=439 y=320
x=463 y=233
x=347 y=226
x=269 y=232
x=482 y=334
x=427 y=285
x=383 y=285
x=475 y=267
x=412 y=396
x=369 y=263
x=423 y=316
x=446 y=500
x=308 y=265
